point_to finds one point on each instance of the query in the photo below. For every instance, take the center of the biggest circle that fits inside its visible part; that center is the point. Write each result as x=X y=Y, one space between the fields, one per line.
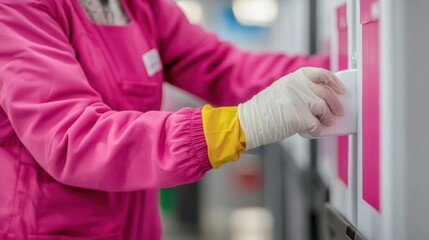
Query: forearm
x=301 y=101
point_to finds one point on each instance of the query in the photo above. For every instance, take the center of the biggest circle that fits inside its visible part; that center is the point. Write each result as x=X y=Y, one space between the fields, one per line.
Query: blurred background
x=275 y=192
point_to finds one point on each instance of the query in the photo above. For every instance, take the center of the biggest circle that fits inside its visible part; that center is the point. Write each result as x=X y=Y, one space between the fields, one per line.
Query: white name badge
x=152 y=62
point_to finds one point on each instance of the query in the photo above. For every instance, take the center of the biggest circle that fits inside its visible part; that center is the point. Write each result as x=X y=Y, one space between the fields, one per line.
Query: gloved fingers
x=325 y=77
x=321 y=111
x=329 y=97
x=336 y=83
x=314 y=127
x=326 y=118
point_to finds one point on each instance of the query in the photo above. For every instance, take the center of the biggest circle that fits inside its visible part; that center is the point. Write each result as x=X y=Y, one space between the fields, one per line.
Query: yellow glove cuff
x=224 y=136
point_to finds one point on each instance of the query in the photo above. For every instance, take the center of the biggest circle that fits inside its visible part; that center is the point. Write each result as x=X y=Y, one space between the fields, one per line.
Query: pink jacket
x=83 y=145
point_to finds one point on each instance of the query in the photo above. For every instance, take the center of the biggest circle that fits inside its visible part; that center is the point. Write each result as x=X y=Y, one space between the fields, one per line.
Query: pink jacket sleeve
x=216 y=71
x=67 y=128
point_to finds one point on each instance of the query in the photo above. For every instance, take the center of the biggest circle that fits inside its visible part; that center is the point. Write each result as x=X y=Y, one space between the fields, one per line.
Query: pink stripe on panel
x=343 y=157
x=343 y=141
x=371 y=108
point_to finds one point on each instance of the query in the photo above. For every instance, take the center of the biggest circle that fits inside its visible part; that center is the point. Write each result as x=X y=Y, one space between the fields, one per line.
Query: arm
x=67 y=128
x=200 y=63
x=300 y=101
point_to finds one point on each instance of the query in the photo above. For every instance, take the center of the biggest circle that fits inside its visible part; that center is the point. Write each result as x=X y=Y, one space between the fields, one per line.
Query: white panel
x=405 y=37
x=391 y=174
x=369 y=220
x=343 y=197
x=352 y=20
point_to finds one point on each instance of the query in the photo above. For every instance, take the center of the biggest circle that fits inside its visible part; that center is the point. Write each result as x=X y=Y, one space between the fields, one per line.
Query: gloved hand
x=300 y=101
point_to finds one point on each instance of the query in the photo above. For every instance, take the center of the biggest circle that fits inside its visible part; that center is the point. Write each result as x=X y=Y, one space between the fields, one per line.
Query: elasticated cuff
x=198 y=143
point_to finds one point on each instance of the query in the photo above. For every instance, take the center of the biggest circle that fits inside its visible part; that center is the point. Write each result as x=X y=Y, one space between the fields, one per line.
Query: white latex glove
x=300 y=101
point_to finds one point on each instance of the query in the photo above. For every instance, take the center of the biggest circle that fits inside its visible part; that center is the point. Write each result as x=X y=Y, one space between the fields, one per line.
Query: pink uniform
x=83 y=145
